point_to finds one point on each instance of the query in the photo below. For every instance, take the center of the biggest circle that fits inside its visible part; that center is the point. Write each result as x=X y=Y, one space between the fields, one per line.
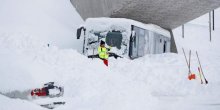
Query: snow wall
x=54 y=22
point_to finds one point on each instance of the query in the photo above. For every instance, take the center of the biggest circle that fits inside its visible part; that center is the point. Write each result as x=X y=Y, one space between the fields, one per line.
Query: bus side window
x=164 y=46
x=135 y=42
x=134 y=38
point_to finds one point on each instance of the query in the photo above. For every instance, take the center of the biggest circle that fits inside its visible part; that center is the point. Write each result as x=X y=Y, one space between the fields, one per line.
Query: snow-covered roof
x=102 y=24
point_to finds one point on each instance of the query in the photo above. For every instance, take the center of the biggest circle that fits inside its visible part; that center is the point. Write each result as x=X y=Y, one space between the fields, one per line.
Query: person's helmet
x=102 y=42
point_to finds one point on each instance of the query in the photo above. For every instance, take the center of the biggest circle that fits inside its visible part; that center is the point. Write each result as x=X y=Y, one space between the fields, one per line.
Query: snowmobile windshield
x=114 y=39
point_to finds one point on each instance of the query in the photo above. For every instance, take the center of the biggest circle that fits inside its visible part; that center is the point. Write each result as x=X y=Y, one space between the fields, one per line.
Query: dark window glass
x=114 y=39
x=164 y=47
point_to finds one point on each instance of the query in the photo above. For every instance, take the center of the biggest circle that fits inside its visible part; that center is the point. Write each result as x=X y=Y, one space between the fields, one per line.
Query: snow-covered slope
x=52 y=21
x=152 y=82
x=89 y=84
x=197 y=34
x=17 y=104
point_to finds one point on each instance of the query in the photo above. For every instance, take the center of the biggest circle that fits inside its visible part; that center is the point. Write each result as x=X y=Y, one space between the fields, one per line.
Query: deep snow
x=9 y=104
x=152 y=82
x=52 y=21
x=89 y=84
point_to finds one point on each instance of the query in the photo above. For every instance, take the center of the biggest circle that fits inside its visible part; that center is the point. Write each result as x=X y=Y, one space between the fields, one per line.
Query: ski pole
x=190 y=62
x=186 y=60
x=200 y=75
x=191 y=75
x=201 y=68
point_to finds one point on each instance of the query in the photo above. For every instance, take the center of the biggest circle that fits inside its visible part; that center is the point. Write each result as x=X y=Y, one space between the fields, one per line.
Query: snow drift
x=152 y=82
x=52 y=21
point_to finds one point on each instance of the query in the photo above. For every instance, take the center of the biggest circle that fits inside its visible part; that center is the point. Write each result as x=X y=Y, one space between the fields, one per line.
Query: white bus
x=128 y=38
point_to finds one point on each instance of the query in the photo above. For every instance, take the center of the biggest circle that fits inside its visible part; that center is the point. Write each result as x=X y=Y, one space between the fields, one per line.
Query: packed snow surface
x=152 y=82
x=17 y=104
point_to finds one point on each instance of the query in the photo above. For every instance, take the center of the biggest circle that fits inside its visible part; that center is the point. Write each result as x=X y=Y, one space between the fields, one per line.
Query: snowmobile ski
x=52 y=105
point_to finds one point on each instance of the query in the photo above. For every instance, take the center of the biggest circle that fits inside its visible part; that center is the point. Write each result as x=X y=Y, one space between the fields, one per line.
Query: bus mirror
x=78 y=34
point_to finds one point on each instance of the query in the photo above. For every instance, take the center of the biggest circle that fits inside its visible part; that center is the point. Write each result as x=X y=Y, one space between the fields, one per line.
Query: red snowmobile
x=49 y=90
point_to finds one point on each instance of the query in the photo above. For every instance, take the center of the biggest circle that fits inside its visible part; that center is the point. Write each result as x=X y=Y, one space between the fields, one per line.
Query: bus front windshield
x=114 y=39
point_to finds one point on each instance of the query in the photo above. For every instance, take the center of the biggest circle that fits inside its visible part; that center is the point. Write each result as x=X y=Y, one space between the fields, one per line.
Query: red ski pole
x=206 y=82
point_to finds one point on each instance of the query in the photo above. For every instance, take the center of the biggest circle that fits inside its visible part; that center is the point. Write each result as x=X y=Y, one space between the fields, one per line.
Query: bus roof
x=123 y=24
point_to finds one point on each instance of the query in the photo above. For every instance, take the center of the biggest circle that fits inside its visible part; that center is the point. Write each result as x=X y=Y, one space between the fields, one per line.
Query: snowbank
x=152 y=82
x=52 y=21
x=89 y=84
x=17 y=104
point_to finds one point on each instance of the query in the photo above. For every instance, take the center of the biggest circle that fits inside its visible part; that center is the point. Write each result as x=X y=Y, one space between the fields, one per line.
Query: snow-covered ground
x=152 y=82
x=17 y=104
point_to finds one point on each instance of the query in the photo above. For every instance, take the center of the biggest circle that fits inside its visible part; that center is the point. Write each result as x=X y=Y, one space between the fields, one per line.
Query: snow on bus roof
x=123 y=24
